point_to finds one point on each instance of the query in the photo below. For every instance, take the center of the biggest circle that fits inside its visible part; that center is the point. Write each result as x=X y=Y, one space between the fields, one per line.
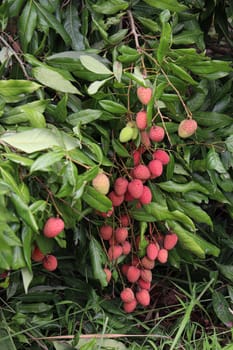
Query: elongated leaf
x=27 y=24
x=72 y=26
x=94 y=65
x=214 y=162
x=110 y=7
x=96 y=255
x=120 y=149
x=226 y=270
x=17 y=87
x=27 y=276
x=165 y=41
x=221 y=308
x=95 y=86
x=171 y=5
x=171 y=186
x=44 y=162
x=181 y=73
x=196 y=212
x=113 y=107
x=84 y=116
x=96 y=200
x=24 y=212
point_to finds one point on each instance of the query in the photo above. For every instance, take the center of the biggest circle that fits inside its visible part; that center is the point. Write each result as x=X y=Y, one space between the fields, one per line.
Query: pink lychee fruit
x=170 y=241
x=146 y=275
x=135 y=188
x=145 y=139
x=141 y=120
x=37 y=254
x=120 y=186
x=124 y=220
x=156 y=133
x=133 y=274
x=114 y=252
x=161 y=155
x=146 y=196
x=162 y=256
x=116 y=200
x=50 y=262
x=143 y=284
x=187 y=128
x=127 y=295
x=53 y=227
x=108 y=274
x=141 y=172
x=126 y=247
x=156 y=168
x=121 y=234
x=130 y=307
x=143 y=297
x=147 y=263
x=152 y=251
x=101 y=183
x=106 y=232
x=144 y=94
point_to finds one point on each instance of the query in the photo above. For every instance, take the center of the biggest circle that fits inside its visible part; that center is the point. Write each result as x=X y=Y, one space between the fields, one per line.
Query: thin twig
x=100 y=336
x=133 y=30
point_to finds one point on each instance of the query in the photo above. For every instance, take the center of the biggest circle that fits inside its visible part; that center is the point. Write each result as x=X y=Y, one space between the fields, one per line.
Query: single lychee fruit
x=37 y=255
x=53 y=227
x=114 y=252
x=156 y=168
x=50 y=262
x=146 y=275
x=126 y=134
x=127 y=295
x=143 y=284
x=124 y=220
x=141 y=120
x=101 y=183
x=146 y=196
x=135 y=260
x=145 y=139
x=162 y=256
x=161 y=155
x=121 y=233
x=133 y=274
x=136 y=157
x=144 y=94
x=143 y=297
x=130 y=307
x=187 y=128
x=152 y=251
x=124 y=269
x=147 y=263
x=170 y=241
x=116 y=200
x=126 y=247
x=108 y=274
x=120 y=186
x=106 y=232
x=135 y=188
x=156 y=133
x=141 y=172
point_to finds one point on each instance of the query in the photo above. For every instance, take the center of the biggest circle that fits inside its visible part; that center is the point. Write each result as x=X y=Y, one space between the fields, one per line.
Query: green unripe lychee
x=126 y=134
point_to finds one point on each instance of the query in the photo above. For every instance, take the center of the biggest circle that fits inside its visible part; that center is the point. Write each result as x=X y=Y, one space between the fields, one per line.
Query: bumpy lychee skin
x=187 y=128
x=127 y=295
x=141 y=120
x=136 y=157
x=141 y=172
x=145 y=139
x=37 y=255
x=152 y=251
x=126 y=247
x=124 y=269
x=161 y=155
x=170 y=241
x=146 y=196
x=53 y=227
x=146 y=275
x=101 y=183
x=128 y=197
x=116 y=200
x=126 y=134
x=114 y=252
x=143 y=284
x=108 y=274
x=135 y=188
x=130 y=307
x=124 y=220
x=147 y=263
x=120 y=186
x=156 y=168
x=156 y=133
x=50 y=262
x=162 y=256
x=106 y=232
x=144 y=94
x=143 y=297
x=133 y=274
x=121 y=234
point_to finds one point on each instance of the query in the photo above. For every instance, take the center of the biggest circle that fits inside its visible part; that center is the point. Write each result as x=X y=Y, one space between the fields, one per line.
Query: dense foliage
x=69 y=77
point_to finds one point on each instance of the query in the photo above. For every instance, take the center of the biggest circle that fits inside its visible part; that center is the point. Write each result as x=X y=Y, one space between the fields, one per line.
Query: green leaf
x=196 y=212
x=27 y=24
x=96 y=255
x=17 y=87
x=72 y=26
x=173 y=187
x=94 y=65
x=165 y=41
x=95 y=86
x=84 y=116
x=96 y=200
x=16 y=158
x=24 y=212
x=229 y=143
x=54 y=80
x=171 y=5
x=119 y=148
x=221 y=308
x=181 y=73
x=113 y=107
x=44 y=162
x=27 y=276
x=213 y=161
x=226 y=270
x=110 y=7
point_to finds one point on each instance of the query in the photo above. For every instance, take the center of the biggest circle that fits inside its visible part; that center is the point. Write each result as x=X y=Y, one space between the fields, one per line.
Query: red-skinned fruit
x=37 y=255
x=130 y=307
x=127 y=295
x=146 y=196
x=143 y=284
x=146 y=275
x=147 y=263
x=141 y=172
x=187 y=128
x=135 y=260
x=120 y=186
x=106 y=232
x=141 y=120
x=170 y=241
x=156 y=133
x=143 y=297
x=145 y=139
x=114 y=252
x=108 y=274
x=156 y=168
x=53 y=227
x=162 y=256
x=161 y=155
x=50 y=262
x=116 y=200
x=108 y=214
x=135 y=188
x=121 y=234
x=124 y=269
x=101 y=183
x=136 y=157
x=133 y=274
x=144 y=94
x=152 y=251
x=126 y=248
x=124 y=220
x=128 y=197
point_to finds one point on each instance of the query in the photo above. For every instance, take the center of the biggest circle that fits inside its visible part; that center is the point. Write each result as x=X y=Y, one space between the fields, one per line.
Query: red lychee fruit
x=155 y=167
x=136 y=157
x=156 y=133
x=106 y=232
x=146 y=196
x=53 y=227
x=120 y=186
x=161 y=155
x=114 y=252
x=145 y=139
x=187 y=128
x=101 y=183
x=126 y=248
x=50 y=262
x=141 y=120
x=124 y=269
x=108 y=274
x=130 y=307
x=162 y=256
x=141 y=172
x=135 y=260
x=124 y=220
x=147 y=263
x=37 y=255
x=116 y=200
x=144 y=94
x=143 y=284
x=135 y=188
x=133 y=274
x=146 y=275
x=127 y=295
x=128 y=197
x=152 y=251
x=170 y=241
x=143 y=297
x=121 y=233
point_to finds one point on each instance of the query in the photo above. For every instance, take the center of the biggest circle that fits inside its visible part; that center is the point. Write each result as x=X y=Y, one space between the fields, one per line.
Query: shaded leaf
x=94 y=65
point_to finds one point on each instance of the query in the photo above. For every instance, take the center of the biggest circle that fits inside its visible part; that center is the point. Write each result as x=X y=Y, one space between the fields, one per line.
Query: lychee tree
x=112 y=113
